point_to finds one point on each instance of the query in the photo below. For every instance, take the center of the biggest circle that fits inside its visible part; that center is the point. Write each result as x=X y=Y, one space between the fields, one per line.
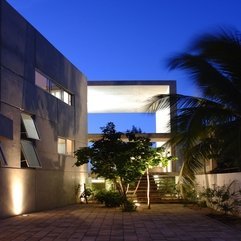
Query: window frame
x=61 y=90
x=30 y=124
x=47 y=82
x=3 y=159
x=66 y=152
x=59 y=149
x=26 y=154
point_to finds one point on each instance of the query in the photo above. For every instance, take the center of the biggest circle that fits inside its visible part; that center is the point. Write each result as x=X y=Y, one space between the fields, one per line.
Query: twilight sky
x=128 y=39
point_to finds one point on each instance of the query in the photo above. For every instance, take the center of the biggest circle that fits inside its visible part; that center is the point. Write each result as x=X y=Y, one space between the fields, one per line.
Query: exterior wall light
x=17 y=196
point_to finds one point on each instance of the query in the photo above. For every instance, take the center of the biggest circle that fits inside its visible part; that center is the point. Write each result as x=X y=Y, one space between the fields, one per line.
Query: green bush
x=167 y=186
x=223 y=199
x=109 y=198
x=128 y=206
x=191 y=195
x=100 y=196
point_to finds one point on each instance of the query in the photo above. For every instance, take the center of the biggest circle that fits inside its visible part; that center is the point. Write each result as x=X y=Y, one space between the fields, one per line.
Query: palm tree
x=208 y=127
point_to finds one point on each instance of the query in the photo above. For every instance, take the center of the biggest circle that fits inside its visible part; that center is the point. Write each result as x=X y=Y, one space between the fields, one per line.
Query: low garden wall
x=220 y=179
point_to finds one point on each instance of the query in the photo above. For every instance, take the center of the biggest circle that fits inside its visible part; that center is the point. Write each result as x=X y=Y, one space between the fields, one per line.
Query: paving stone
x=169 y=222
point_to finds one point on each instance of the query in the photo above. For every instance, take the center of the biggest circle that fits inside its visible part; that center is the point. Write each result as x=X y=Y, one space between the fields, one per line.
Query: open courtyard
x=170 y=222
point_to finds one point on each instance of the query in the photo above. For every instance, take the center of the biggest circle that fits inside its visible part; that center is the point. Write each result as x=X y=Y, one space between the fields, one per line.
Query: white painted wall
x=209 y=180
x=163 y=121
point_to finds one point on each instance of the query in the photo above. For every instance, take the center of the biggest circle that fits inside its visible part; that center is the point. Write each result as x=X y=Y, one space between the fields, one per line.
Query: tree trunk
x=148 y=188
x=127 y=188
x=122 y=189
x=137 y=186
x=118 y=186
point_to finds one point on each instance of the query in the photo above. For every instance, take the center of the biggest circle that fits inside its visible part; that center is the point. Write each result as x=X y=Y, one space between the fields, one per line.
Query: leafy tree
x=117 y=160
x=208 y=127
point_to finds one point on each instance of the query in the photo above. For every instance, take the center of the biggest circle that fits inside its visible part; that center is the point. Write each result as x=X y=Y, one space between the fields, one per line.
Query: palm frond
x=207 y=127
x=224 y=49
x=212 y=81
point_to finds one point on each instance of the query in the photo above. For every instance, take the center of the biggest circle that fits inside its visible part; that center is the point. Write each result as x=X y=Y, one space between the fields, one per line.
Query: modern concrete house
x=132 y=97
x=126 y=98
x=43 y=119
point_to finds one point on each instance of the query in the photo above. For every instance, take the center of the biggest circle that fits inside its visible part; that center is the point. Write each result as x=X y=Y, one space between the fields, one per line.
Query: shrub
x=100 y=196
x=128 y=206
x=223 y=199
x=191 y=195
x=109 y=198
x=167 y=187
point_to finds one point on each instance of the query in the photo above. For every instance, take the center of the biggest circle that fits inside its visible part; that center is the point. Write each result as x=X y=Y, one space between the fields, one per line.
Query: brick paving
x=170 y=222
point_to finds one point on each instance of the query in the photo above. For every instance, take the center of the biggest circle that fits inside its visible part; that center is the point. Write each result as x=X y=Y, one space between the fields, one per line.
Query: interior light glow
x=98 y=180
x=122 y=98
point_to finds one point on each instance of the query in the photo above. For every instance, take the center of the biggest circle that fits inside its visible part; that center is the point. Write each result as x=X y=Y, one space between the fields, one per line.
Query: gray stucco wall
x=24 y=49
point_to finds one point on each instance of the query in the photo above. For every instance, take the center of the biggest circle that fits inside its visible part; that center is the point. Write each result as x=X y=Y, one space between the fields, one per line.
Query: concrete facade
x=133 y=97
x=23 y=51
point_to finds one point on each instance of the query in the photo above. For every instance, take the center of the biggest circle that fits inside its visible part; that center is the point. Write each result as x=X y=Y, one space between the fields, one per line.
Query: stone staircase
x=141 y=193
x=155 y=195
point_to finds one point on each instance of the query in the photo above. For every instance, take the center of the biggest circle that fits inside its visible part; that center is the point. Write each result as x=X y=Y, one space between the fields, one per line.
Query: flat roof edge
x=131 y=82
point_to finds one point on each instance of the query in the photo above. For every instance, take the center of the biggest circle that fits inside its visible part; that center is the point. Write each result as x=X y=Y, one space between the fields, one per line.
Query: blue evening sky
x=127 y=39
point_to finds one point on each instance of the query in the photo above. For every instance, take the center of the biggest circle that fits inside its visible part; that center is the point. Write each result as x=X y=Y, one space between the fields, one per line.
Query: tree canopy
x=123 y=162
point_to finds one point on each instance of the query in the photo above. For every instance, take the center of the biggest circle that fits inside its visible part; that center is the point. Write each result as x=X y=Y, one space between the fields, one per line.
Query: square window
x=67 y=98
x=61 y=146
x=30 y=127
x=69 y=147
x=41 y=81
x=65 y=146
x=29 y=153
x=55 y=90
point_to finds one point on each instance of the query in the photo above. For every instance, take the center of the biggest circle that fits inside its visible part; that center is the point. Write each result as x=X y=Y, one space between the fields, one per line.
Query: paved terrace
x=92 y=222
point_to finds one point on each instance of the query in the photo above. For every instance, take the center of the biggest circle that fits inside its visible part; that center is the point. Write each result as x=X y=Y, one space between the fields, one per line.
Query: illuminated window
x=65 y=146
x=61 y=146
x=2 y=157
x=55 y=90
x=30 y=158
x=69 y=147
x=30 y=128
x=67 y=98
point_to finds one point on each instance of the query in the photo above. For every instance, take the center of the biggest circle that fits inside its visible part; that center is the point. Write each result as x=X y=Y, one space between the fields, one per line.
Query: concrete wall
x=220 y=179
x=23 y=50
